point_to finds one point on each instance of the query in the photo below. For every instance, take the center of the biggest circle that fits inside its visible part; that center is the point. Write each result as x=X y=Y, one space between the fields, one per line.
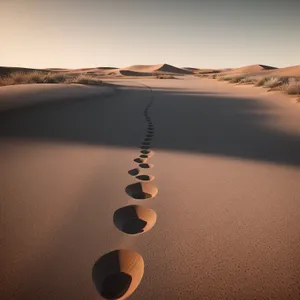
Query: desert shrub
x=248 y=80
x=272 y=82
x=261 y=81
x=292 y=87
x=85 y=79
x=236 y=79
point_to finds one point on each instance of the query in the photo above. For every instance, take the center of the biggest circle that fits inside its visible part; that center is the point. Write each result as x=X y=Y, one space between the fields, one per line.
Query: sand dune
x=289 y=71
x=248 y=69
x=157 y=68
x=262 y=70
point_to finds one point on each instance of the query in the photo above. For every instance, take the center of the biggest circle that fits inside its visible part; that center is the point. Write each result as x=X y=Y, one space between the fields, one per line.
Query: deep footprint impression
x=134 y=172
x=145 y=177
x=146 y=166
x=134 y=219
x=140 y=160
x=117 y=274
x=141 y=190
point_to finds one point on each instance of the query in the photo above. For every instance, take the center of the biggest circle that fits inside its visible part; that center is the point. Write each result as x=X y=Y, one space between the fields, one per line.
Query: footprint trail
x=117 y=274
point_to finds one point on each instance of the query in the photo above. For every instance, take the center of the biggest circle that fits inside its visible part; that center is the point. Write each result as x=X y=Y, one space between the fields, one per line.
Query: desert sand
x=263 y=70
x=213 y=214
x=151 y=71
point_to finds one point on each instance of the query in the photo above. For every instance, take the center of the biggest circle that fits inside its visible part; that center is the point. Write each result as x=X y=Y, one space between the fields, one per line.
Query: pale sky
x=186 y=33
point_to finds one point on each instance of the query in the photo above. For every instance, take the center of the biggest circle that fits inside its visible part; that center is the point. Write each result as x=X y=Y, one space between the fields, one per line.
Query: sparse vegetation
x=165 y=76
x=47 y=77
x=236 y=79
x=292 y=87
x=261 y=81
x=248 y=80
x=289 y=85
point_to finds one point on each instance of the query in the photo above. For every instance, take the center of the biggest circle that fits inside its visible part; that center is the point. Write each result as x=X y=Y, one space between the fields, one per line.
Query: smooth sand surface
x=14 y=96
x=227 y=169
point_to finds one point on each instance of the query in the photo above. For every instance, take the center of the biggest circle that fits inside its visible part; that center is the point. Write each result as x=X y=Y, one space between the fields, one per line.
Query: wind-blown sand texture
x=218 y=219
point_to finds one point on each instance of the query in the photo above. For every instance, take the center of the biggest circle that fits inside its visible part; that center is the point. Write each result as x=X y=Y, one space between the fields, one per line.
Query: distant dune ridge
x=288 y=71
x=248 y=69
x=157 y=68
x=160 y=70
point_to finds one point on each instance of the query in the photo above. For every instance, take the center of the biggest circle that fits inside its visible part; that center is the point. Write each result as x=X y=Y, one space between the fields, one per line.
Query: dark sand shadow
x=193 y=122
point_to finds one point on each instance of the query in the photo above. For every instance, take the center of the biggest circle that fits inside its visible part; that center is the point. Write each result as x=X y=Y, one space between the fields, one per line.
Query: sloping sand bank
x=14 y=96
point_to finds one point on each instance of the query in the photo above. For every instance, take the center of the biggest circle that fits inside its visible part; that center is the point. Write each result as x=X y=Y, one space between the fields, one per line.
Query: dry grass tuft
x=261 y=81
x=292 y=87
x=289 y=85
x=47 y=77
x=236 y=79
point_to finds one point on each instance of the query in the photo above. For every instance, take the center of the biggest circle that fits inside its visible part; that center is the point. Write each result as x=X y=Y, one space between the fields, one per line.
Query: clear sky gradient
x=190 y=33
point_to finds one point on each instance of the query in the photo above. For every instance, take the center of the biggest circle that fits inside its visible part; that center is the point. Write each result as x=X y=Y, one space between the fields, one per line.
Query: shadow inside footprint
x=145 y=147
x=146 y=166
x=116 y=285
x=141 y=190
x=134 y=219
x=118 y=273
x=146 y=143
x=145 y=151
x=140 y=160
x=145 y=177
x=134 y=172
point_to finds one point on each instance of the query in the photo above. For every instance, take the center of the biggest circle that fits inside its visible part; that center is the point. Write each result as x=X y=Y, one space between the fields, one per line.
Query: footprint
x=140 y=160
x=145 y=177
x=149 y=135
x=145 y=147
x=134 y=172
x=146 y=143
x=144 y=156
x=117 y=274
x=141 y=190
x=146 y=166
x=149 y=153
x=134 y=219
x=147 y=139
